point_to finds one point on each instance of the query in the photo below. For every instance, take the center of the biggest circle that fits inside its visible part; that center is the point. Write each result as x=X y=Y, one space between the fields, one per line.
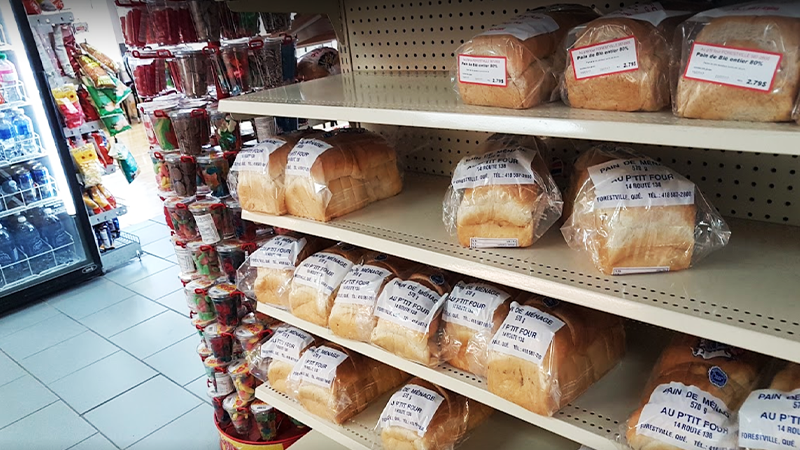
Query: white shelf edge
x=314 y=440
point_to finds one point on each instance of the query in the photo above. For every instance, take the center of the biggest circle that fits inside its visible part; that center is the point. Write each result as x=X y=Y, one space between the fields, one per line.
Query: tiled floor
x=107 y=365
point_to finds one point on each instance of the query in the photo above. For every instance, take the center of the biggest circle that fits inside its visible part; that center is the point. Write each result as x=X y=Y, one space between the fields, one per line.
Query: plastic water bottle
x=28 y=239
x=8 y=249
x=23 y=128
x=8 y=138
x=52 y=230
x=24 y=180
x=41 y=176
x=11 y=195
x=9 y=80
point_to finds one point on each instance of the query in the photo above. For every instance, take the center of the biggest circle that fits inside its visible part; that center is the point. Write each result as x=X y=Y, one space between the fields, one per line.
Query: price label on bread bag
x=361 y=285
x=687 y=417
x=286 y=344
x=749 y=69
x=409 y=304
x=526 y=333
x=279 y=253
x=483 y=70
x=605 y=58
x=256 y=159
x=472 y=305
x=502 y=167
x=639 y=182
x=303 y=155
x=412 y=408
x=323 y=271
x=319 y=367
x=770 y=420
x=525 y=26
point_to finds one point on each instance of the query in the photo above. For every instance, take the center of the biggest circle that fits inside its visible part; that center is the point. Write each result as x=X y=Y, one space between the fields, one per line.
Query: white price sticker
x=320 y=366
x=412 y=408
x=286 y=344
x=748 y=69
x=638 y=270
x=409 y=304
x=493 y=243
x=208 y=231
x=279 y=253
x=361 y=285
x=483 y=70
x=324 y=271
x=473 y=305
x=606 y=58
x=639 y=182
x=526 y=333
x=525 y=26
x=256 y=159
x=303 y=155
x=223 y=383
x=770 y=420
x=511 y=166
x=185 y=261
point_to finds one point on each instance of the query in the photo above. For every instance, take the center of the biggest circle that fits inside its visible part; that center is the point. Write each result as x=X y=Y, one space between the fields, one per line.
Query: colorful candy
x=206 y=259
x=231 y=255
x=220 y=342
x=239 y=412
x=212 y=171
x=266 y=419
x=198 y=300
x=250 y=334
x=181 y=218
x=225 y=298
x=243 y=381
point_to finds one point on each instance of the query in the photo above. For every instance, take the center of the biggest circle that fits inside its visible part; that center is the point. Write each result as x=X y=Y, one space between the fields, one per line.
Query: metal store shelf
x=127 y=247
x=314 y=440
x=105 y=216
x=593 y=420
x=427 y=99
x=499 y=432
x=744 y=295
x=87 y=127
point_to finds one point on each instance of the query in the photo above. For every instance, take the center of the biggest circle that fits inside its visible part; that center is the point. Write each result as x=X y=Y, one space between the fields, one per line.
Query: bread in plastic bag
x=517 y=64
x=621 y=61
x=692 y=396
x=281 y=353
x=422 y=415
x=503 y=196
x=318 y=63
x=547 y=353
x=740 y=62
x=317 y=279
x=473 y=313
x=768 y=419
x=643 y=218
x=340 y=172
x=409 y=313
x=353 y=312
x=336 y=383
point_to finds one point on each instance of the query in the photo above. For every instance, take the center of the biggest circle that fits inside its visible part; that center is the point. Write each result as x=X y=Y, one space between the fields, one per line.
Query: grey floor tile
x=101 y=381
x=162 y=248
x=158 y=285
x=133 y=228
x=194 y=430
x=9 y=370
x=38 y=337
x=137 y=413
x=22 y=397
x=199 y=387
x=152 y=233
x=154 y=334
x=96 y=442
x=55 y=427
x=121 y=316
x=24 y=318
x=173 y=259
x=89 y=298
x=175 y=301
x=68 y=356
x=137 y=269
x=179 y=362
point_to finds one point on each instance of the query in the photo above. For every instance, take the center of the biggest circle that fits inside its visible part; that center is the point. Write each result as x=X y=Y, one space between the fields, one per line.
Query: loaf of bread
x=336 y=383
x=472 y=315
x=641 y=218
x=768 y=418
x=767 y=94
x=275 y=262
x=547 y=353
x=316 y=282
x=422 y=415
x=409 y=311
x=528 y=48
x=340 y=172
x=503 y=195
x=693 y=371
x=318 y=63
x=282 y=352
x=353 y=312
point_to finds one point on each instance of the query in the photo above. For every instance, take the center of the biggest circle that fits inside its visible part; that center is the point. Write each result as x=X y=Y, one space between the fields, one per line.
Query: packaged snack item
x=182 y=173
x=206 y=19
x=103 y=147
x=423 y=415
x=206 y=260
x=185 y=24
x=192 y=129
x=409 y=311
x=66 y=98
x=250 y=335
x=226 y=303
x=198 y=300
x=231 y=256
x=91 y=205
x=226 y=130
x=335 y=383
x=740 y=62
x=85 y=102
x=98 y=76
x=275 y=263
x=209 y=214
x=341 y=172
x=276 y=22
x=100 y=199
x=239 y=411
x=238 y=24
x=163 y=23
x=634 y=215
x=88 y=164
x=236 y=66
x=135 y=25
x=61 y=52
x=213 y=172
x=266 y=419
x=222 y=417
x=182 y=220
x=282 y=351
x=115 y=124
x=768 y=419
x=217 y=372
x=190 y=72
x=103 y=59
x=220 y=342
x=243 y=381
x=517 y=64
x=161 y=171
x=318 y=63
x=317 y=279
x=694 y=371
x=149 y=76
x=503 y=196
x=127 y=163
x=184 y=256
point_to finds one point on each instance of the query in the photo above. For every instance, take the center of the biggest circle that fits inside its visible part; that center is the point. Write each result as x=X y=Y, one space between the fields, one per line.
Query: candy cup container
x=149 y=76
x=161 y=171
x=218 y=377
x=206 y=259
x=232 y=256
x=163 y=129
x=182 y=173
x=213 y=171
x=266 y=70
x=190 y=73
x=239 y=412
x=184 y=257
x=192 y=129
x=203 y=351
x=209 y=213
x=226 y=130
x=198 y=300
x=236 y=66
x=219 y=411
x=186 y=278
x=266 y=419
x=182 y=219
x=220 y=342
x=243 y=381
x=250 y=334
x=226 y=303
x=243 y=229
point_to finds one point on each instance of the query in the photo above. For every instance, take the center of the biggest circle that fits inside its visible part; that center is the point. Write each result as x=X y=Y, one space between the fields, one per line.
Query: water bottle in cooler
x=9 y=80
x=53 y=232
x=41 y=176
x=8 y=138
x=12 y=197
x=31 y=243
x=24 y=180
x=8 y=249
x=23 y=128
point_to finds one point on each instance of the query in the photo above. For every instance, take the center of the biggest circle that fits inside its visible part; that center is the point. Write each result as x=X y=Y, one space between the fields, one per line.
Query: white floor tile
x=40 y=336
x=137 y=269
x=162 y=248
x=89 y=298
x=9 y=370
x=158 y=285
x=24 y=318
x=22 y=397
x=121 y=316
x=154 y=334
x=96 y=442
x=55 y=427
x=199 y=387
x=68 y=356
x=194 y=430
x=141 y=411
x=152 y=233
x=175 y=301
x=179 y=362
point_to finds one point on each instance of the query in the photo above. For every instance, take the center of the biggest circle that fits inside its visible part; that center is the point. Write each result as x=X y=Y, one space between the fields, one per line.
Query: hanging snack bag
x=100 y=57
x=276 y=262
x=98 y=76
x=66 y=98
x=88 y=164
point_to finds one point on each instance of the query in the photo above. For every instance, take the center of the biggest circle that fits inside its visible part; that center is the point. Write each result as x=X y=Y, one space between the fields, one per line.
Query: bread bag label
x=638 y=270
x=208 y=231
x=483 y=70
x=361 y=285
x=770 y=420
x=256 y=159
x=638 y=182
x=412 y=408
x=605 y=58
x=526 y=333
x=279 y=253
x=688 y=418
x=286 y=344
x=303 y=155
x=525 y=26
x=748 y=69
x=472 y=305
x=409 y=304
x=493 y=242
x=648 y=12
x=318 y=366
x=502 y=167
x=781 y=9
x=323 y=271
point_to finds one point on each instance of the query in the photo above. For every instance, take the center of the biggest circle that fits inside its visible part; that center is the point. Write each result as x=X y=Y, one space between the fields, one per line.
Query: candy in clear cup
x=212 y=170
x=249 y=335
x=182 y=173
x=161 y=170
x=236 y=66
x=162 y=128
x=239 y=412
x=190 y=72
x=244 y=383
x=198 y=300
x=217 y=398
x=266 y=419
x=220 y=342
x=206 y=259
x=209 y=214
x=203 y=351
x=192 y=129
x=182 y=220
x=226 y=130
x=225 y=298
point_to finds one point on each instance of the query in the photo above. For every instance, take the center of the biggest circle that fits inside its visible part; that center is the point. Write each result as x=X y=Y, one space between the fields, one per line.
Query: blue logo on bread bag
x=437 y=280
x=381 y=257
x=717 y=377
x=551 y=302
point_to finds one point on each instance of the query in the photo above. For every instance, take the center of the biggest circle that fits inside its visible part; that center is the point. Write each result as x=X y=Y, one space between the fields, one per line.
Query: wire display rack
x=126 y=247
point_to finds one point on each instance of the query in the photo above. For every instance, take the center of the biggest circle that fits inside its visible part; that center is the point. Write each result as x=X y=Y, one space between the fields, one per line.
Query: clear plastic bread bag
x=278 y=356
x=621 y=61
x=739 y=62
x=634 y=215
x=317 y=279
x=547 y=353
x=422 y=415
x=503 y=196
x=768 y=419
x=409 y=311
x=517 y=64
x=693 y=396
